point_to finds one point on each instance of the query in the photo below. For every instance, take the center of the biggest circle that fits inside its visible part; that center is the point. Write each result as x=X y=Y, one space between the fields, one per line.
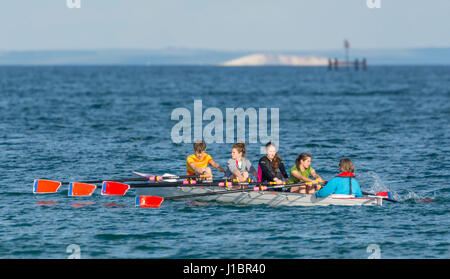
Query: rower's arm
x=316 y=176
x=327 y=190
x=283 y=171
x=254 y=172
x=196 y=169
x=216 y=165
x=301 y=177
x=234 y=170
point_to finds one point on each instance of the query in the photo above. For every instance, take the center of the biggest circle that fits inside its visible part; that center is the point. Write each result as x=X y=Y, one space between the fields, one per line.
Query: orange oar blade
x=148 y=201
x=111 y=188
x=42 y=186
x=81 y=189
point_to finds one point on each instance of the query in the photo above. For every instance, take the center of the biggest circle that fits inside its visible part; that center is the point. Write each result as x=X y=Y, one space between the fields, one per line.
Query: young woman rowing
x=302 y=172
x=239 y=167
x=270 y=164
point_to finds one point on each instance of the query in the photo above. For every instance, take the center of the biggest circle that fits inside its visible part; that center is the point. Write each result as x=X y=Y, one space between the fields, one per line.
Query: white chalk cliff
x=261 y=59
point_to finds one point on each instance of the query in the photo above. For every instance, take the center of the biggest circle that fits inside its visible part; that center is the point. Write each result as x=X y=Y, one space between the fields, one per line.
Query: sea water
x=75 y=123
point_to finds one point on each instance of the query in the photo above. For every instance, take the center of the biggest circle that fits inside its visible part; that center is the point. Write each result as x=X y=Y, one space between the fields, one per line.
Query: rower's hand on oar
x=319 y=184
x=278 y=181
x=318 y=181
x=240 y=179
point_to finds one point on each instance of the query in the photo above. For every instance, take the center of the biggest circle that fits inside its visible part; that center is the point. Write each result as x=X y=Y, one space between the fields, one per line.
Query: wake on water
x=413 y=197
x=379 y=186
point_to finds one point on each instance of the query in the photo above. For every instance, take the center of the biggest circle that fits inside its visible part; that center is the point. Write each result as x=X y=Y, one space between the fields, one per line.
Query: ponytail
x=277 y=159
x=276 y=162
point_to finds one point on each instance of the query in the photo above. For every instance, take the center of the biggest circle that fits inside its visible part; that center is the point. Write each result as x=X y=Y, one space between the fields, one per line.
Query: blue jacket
x=341 y=185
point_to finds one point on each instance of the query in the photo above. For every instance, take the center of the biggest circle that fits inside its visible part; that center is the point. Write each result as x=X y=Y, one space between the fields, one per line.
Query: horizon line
x=215 y=65
x=218 y=50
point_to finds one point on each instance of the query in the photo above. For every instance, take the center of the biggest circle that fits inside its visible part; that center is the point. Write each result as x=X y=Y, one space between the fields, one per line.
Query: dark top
x=266 y=173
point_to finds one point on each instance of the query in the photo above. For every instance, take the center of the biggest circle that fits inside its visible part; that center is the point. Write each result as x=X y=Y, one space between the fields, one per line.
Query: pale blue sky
x=223 y=24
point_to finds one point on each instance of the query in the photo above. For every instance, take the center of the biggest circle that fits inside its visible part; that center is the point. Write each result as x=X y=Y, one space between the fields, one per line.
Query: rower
x=270 y=164
x=198 y=163
x=239 y=166
x=344 y=183
x=302 y=172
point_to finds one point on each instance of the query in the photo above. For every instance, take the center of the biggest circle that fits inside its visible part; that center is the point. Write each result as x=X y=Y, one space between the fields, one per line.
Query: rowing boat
x=270 y=198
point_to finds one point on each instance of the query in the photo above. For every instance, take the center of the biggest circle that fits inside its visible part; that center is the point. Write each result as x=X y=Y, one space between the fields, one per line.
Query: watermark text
x=213 y=132
x=71 y=4
x=373 y=4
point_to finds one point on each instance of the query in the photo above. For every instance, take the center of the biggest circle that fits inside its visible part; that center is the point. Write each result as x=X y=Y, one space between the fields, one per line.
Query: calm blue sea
x=77 y=123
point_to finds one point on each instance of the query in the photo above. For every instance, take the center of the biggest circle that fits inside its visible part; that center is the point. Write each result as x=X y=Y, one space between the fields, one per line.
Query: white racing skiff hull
x=270 y=198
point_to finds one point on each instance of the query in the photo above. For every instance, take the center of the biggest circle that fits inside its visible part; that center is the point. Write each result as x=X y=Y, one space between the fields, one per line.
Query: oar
x=153 y=201
x=114 y=187
x=147 y=178
x=150 y=178
x=41 y=186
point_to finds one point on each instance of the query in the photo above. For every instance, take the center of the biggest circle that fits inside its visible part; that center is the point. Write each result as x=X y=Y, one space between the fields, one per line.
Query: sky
x=290 y=25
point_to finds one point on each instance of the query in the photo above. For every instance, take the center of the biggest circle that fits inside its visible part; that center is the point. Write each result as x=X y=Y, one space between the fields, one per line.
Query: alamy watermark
x=74 y=251
x=374 y=251
x=213 y=132
x=373 y=4
x=73 y=4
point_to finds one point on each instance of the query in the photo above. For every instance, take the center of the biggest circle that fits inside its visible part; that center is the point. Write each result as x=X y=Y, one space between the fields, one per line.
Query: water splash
x=379 y=186
x=414 y=197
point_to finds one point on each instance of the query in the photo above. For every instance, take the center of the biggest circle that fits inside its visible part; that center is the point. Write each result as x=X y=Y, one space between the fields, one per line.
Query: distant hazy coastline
x=182 y=56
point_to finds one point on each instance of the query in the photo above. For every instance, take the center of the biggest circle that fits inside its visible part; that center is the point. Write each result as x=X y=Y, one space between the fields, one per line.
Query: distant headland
x=186 y=56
